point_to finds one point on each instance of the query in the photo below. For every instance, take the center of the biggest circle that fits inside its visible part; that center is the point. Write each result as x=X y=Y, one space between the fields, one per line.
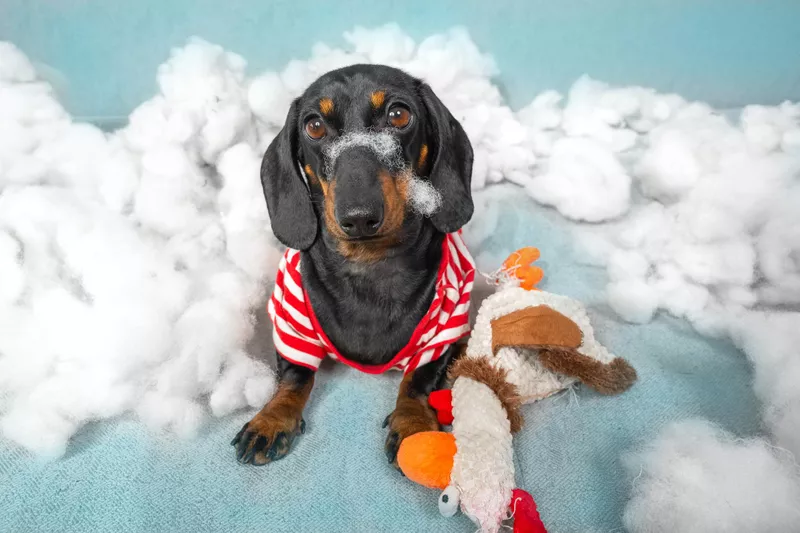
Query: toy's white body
x=483 y=467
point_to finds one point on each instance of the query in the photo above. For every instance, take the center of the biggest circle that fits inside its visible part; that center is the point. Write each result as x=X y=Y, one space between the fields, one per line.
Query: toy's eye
x=399 y=117
x=448 y=502
x=315 y=128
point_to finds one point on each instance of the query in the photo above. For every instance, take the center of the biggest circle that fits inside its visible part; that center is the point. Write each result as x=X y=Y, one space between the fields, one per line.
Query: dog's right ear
x=288 y=198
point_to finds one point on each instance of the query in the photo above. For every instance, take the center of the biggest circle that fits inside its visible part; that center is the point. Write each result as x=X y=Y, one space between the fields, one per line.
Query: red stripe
x=301 y=345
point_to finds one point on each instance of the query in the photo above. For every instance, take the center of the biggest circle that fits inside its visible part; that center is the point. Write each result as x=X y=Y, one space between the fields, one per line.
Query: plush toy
x=526 y=345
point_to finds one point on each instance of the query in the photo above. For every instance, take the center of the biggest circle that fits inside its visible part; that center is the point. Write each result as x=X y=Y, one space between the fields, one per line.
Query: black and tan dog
x=336 y=180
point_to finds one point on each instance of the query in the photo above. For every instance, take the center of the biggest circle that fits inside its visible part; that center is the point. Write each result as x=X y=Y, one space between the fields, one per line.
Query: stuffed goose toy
x=526 y=345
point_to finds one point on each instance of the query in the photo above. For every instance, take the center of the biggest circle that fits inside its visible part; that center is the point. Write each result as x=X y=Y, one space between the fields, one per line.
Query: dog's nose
x=361 y=221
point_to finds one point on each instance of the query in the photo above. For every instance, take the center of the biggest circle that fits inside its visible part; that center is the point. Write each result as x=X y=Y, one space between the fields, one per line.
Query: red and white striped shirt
x=299 y=337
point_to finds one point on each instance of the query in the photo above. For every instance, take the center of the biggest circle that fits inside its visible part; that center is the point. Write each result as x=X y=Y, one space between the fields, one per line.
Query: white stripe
x=449 y=334
x=455 y=260
x=460 y=310
x=426 y=357
x=459 y=242
x=452 y=294
x=282 y=263
x=451 y=276
x=296 y=355
x=423 y=340
x=292 y=287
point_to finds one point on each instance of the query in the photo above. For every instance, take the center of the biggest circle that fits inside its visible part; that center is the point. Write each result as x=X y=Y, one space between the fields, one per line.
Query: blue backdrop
x=727 y=52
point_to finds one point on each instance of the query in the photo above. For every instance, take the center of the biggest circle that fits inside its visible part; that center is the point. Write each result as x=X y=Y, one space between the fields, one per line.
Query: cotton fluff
x=771 y=341
x=712 y=221
x=130 y=261
x=697 y=478
x=778 y=249
x=584 y=181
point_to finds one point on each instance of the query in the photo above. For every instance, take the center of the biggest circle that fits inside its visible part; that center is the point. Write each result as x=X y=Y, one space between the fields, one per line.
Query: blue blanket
x=116 y=477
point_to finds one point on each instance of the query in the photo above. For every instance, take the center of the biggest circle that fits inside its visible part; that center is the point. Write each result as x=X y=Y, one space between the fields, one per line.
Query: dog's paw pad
x=267 y=438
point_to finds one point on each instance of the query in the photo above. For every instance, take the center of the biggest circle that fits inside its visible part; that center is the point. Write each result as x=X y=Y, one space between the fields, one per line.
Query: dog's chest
x=371 y=319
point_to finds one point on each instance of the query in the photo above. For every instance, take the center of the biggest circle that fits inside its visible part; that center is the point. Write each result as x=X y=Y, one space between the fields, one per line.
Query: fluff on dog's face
x=378 y=153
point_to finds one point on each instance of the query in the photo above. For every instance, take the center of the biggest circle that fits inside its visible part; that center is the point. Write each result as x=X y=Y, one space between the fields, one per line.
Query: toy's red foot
x=526 y=516
x=442 y=402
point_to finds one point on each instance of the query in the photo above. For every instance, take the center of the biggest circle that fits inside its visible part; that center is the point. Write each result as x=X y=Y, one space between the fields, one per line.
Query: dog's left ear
x=451 y=173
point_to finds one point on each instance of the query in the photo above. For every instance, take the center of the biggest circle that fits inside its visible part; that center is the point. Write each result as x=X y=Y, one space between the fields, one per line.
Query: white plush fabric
x=483 y=467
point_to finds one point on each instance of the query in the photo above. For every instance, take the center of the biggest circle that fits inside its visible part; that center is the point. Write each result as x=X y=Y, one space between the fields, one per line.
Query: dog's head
x=367 y=152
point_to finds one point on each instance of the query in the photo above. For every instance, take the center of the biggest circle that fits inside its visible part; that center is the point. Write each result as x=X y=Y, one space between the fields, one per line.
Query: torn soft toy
x=526 y=345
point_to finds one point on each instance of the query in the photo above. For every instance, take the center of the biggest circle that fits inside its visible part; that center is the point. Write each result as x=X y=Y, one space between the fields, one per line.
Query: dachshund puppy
x=368 y=185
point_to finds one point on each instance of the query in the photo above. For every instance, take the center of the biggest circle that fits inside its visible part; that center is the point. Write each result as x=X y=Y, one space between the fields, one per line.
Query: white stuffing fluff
x=131 y=261
x=584 y=181
x=423 y=196
x=697 y=478
x=384 y=145
x=771 y=341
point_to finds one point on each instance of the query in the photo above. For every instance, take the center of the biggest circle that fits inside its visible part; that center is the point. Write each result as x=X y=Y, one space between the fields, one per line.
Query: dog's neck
x=369 y=310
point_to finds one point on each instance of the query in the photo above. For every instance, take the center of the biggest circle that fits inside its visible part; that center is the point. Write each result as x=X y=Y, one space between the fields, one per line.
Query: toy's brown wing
x=556 y=338
x=533 y=327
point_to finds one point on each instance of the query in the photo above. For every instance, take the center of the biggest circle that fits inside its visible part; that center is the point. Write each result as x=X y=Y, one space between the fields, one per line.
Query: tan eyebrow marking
x=326 y=106
x=377 y=98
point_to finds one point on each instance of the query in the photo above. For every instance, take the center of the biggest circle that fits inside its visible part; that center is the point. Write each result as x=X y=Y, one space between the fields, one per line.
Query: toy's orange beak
x=427 y=458
x=519 y=265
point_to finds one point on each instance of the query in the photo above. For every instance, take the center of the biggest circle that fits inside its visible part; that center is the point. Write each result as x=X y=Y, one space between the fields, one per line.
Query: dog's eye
x=315 y=128
x=399 y=117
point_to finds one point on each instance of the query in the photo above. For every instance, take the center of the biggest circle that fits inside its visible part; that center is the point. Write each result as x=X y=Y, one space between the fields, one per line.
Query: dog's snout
x=361 y=221
x=359 y=197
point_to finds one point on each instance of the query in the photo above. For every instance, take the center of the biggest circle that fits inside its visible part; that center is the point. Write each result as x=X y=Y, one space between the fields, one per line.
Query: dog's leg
x=270 y=434
x=412 y=414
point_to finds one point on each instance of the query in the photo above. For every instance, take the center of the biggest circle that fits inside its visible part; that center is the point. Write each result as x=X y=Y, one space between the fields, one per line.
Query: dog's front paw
x=410 y=416
x=268 y=436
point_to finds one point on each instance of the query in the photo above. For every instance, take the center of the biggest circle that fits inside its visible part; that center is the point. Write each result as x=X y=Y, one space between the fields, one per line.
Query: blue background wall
x=728 y=52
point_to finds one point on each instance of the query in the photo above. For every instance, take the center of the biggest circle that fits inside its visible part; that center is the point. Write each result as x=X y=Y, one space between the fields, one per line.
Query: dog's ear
x=451 y=173
x=288 y=199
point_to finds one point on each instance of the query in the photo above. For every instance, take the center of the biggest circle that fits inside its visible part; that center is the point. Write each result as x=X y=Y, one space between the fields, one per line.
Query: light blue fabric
x=117 y=478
